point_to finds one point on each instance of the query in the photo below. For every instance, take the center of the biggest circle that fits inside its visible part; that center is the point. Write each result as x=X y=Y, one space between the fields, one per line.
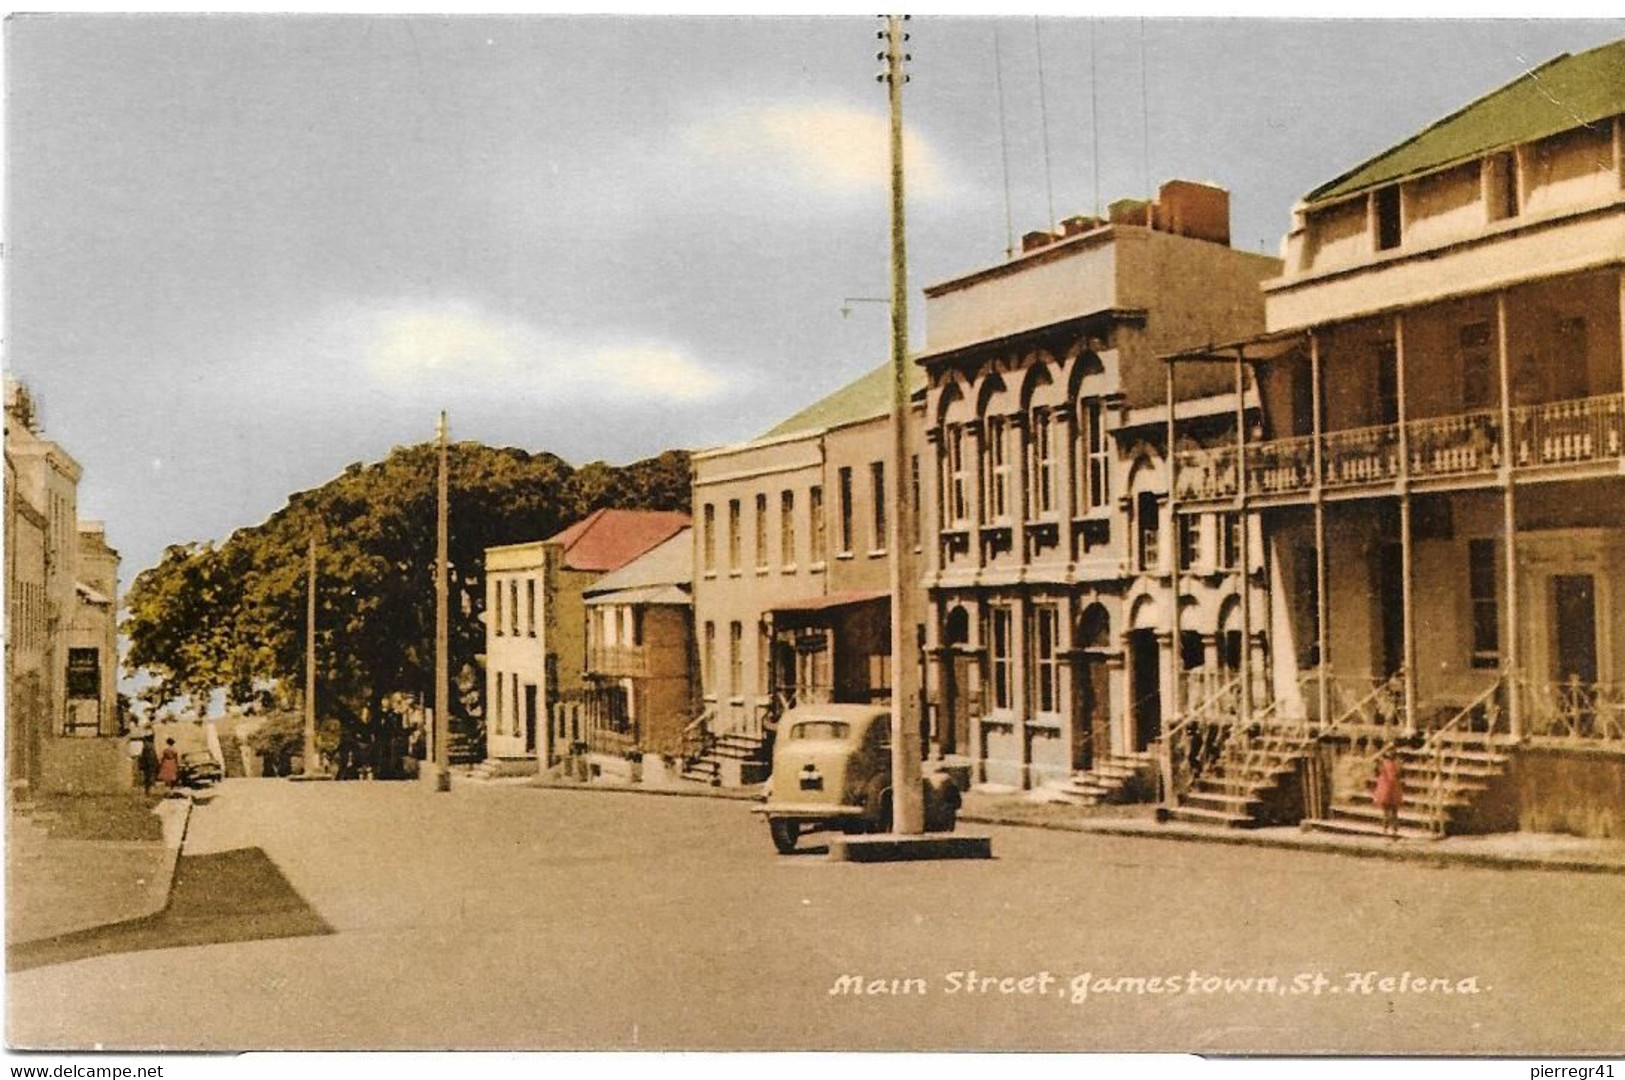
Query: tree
x=232 y=618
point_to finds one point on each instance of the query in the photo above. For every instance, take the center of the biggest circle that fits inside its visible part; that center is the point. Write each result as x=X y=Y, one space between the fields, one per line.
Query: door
x=1145 y=660
x=530 y=718
x=1091 y=711
x=1390 y=596
x=1574 y=611
x=955 y=733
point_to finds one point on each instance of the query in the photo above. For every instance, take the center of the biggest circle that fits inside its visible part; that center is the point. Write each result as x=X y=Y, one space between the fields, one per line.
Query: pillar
x=1170 y=552
x=1245 y=577
x=1511 y=667
x=1406 y=552
x=1317 y=411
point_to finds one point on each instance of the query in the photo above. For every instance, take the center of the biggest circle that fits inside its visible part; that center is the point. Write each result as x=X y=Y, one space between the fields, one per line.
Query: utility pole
x=442 y=633
x=310 y=659
x=908 y=796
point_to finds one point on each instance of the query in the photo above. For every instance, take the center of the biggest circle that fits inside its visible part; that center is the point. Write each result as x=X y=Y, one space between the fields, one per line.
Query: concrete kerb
x=176 y=822
x=1404 y=851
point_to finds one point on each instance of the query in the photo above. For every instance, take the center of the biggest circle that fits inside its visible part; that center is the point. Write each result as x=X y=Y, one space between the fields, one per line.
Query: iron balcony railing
x=618 y=660
x=1574 y=712
x=1575 y=431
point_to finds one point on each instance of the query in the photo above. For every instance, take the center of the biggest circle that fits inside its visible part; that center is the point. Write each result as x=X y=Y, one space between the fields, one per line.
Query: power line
x=1004 y=148
x=1043 y=120
x=1094 y=114
x=1145 y=123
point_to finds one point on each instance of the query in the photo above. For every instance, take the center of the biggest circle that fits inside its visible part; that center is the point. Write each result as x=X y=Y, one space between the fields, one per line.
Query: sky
x=247 y=251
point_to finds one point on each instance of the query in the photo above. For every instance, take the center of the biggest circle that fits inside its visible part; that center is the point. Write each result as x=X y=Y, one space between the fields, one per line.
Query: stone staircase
x=1235 y=789
x=1441 y=784
x=1109 y=780
x=499 y=769
x=726 y=754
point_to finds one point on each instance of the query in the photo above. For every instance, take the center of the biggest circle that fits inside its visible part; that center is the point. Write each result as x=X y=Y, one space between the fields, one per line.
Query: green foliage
x=232 y=617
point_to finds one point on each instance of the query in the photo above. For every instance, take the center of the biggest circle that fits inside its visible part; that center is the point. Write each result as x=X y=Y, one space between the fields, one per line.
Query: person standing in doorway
x=1390 y=793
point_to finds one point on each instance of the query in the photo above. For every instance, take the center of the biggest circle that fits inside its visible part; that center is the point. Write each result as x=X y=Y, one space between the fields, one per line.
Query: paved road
x=508 y=917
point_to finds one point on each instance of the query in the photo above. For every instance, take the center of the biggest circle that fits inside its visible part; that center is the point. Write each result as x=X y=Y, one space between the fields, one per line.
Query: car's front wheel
x=784 y=832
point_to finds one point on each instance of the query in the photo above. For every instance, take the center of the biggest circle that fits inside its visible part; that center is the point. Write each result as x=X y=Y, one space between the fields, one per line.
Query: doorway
x=1091 y=700
x=1145 y=664
x=1574 y=616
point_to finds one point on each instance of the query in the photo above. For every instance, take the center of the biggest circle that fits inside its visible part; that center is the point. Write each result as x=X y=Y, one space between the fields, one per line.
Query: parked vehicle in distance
x=832 y=770
x=199 y=768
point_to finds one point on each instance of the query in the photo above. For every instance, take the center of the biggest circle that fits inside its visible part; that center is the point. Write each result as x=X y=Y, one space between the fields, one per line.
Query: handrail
x=1435 y=742
x=1392 y=682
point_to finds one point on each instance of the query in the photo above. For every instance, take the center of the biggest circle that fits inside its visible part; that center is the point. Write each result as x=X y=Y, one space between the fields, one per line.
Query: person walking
x=1390 y=792
x=148 y=761
x=169 y=765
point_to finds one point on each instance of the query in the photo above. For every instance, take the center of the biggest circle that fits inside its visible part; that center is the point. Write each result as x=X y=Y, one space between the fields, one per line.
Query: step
x=1198 y=814
x=1350 y=827
x=1452 y=753
x=1344 y=811
x=1208 y=799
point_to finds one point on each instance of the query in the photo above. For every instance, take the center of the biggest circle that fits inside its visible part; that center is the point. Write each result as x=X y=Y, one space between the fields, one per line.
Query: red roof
x=608 y=539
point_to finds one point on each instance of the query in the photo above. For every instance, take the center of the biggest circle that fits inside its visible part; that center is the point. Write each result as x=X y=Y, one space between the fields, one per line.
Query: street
x=510 y=917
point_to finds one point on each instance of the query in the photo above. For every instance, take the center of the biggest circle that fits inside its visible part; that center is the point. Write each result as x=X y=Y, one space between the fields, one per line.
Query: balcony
x=1464 y=447
x=618 y=660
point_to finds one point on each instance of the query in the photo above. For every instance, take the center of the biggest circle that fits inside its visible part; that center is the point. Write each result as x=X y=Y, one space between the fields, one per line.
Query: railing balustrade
x=1206 y=474
x=1455 y=445
x=618 y=660
x=1367 y=455
x=1281 y=465
x=1574 y=712
x=1569 y=432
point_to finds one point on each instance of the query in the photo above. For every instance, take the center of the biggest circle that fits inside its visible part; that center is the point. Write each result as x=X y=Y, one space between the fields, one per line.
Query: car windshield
x=820 y=729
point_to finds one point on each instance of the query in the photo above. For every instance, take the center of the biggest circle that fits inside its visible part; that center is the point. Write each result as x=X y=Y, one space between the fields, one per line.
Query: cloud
x=829 y=149
x=410 y=348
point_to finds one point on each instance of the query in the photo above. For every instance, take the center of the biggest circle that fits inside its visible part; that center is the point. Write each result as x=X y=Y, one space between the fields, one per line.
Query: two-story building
x=792 y=567
x=1052 y=631
x=1439 y=465
x=535 y=627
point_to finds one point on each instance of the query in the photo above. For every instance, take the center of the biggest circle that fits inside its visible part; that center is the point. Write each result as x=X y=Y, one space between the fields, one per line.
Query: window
x=1477 y=366
x=496 y=712
x=733 y=536
x=1046 y=621
x=1387 y=383
x=764 y=659
x=1043 y=464
x=998 y=472
x=736 y=659
x=879 y=676
x=513 y=605
x=877 y=489
x=999 y=635
x=496 y=605
x=530 y=606
x=815 y=525
x=1501 y=186
x=958 y=478
x=708 y=659
x=709 y=540
x=1385 y=205
x=1230 y=541
x=844 y=489
x=1482 y=591
x=1569 y=373
x=761 y=532
x=914 y=499
x=787 y=528
x=1190 y=540
x=1145 y=514
x=1306 y=585
x=1096 y=488
x=513 y=706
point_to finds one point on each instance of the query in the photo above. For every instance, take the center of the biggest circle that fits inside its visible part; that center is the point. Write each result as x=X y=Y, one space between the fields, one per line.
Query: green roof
x=862 y=399
x=1564 y=93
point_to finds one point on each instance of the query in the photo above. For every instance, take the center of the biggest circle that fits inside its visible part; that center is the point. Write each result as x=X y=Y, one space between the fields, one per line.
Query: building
x=1052 y=631
x=792 y=568
x=641 y=690
x=535 y=625
x=1438 y=469
x=62 y=643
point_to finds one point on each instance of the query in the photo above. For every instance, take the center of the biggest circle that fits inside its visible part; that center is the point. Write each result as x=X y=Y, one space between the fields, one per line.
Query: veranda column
x=1318 y=424
x=1509 y=525
x=1169 y=549
x=1406 y=555
x=1245 y=554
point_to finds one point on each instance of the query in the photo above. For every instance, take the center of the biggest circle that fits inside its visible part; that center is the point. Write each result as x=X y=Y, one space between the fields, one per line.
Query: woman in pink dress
x=1390 y=793
x=169 y=765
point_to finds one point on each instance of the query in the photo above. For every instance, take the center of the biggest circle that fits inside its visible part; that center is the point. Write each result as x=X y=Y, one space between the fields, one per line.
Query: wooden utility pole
x=442 y=633
x=908 y=796
x=310 y=660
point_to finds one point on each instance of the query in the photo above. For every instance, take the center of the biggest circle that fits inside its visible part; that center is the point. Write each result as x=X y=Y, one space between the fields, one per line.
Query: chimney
x=1079 y=223
x=1200 y=211
x=1036 y=239
x=1130 y=212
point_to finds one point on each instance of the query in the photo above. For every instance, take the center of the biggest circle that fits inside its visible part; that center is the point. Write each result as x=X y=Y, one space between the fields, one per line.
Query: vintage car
x=832 y=770
x=199 y=768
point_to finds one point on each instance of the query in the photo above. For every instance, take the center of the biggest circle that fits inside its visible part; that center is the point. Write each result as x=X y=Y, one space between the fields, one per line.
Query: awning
x=644 y=594
x=91 y=594
x=1257 y=349
x=829 y=601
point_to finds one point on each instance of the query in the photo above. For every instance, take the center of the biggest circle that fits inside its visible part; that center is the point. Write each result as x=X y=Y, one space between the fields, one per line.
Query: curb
x=172 y=856
x=727 y=794
x=1242 y=838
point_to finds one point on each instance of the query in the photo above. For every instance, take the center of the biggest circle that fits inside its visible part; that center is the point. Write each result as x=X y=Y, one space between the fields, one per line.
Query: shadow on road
x=228 y=896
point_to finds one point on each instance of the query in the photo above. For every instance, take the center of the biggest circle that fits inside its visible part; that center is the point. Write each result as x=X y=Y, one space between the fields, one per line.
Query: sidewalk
x=60 y=878
x=1515 y=851
x=1519 y=851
